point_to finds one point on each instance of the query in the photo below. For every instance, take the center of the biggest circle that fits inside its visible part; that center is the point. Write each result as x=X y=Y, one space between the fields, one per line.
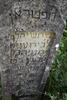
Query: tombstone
x=30 y=30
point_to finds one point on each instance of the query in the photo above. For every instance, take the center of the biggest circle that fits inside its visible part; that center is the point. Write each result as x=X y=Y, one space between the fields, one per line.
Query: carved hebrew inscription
x=25 y=44
x=38 y=14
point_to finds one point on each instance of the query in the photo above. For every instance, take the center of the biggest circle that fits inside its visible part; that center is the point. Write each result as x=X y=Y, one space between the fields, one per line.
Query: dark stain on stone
x=27 y=59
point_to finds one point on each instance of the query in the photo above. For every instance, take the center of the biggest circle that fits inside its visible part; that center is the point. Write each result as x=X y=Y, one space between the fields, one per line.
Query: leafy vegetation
x=56 y=85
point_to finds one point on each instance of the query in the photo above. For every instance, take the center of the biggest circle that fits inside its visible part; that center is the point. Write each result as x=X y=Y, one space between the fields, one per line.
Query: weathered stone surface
x=5 y=5
x=29 y=33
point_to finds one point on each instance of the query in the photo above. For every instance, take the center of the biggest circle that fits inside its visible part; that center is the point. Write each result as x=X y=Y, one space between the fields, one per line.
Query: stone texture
x=29 y=33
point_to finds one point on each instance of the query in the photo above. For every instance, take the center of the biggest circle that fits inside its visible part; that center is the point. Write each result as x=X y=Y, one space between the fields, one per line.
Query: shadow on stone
x=15 y=97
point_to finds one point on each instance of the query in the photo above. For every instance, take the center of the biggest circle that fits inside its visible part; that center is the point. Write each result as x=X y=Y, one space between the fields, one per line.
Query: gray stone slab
x=30 y=31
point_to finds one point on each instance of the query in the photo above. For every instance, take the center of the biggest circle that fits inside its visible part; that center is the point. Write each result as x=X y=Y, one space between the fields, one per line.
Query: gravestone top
x=29 y=33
